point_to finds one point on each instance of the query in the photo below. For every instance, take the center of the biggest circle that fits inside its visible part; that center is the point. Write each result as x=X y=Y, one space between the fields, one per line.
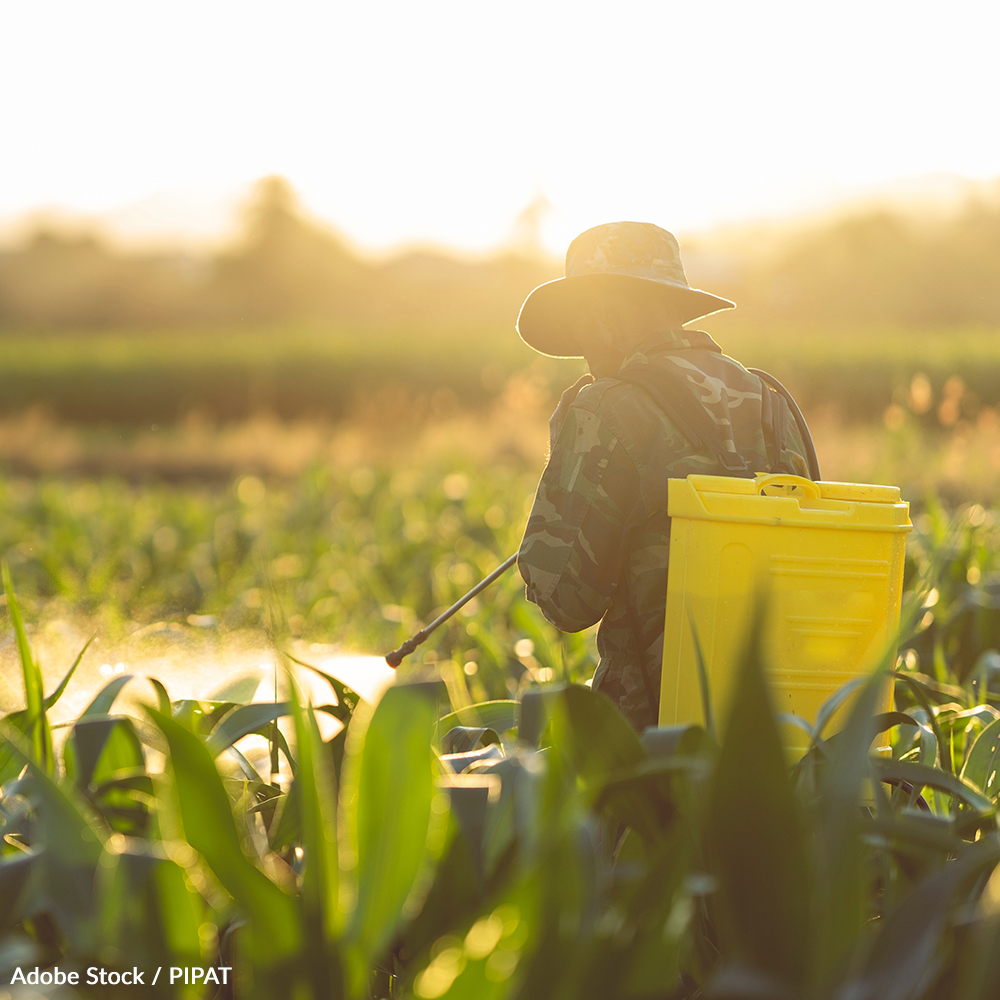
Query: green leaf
x=924 y=831
x=243 y=721
x=105 y=698
x=347 y=699
x=64 y=824
x=660 y=910
x=516 y=826
x=148 y=912
x=978 y=961
x=736 y=981
x=536 y=710
x=68 y=847
x=593 y=734
x=37 y=724
x=98 y=748
x=207 y=821
x=187 y=713
x=919 y=690
x=941 y=692
x=928 y=741
x=604 y=752
x=129 y=782
x=984 y=761
x=285 y=828
x=277 y=737
x=454 y=897
x=317 y=804
x=920 y=775
x=791 y=719
x=840 y=900
x=887 y=720
x=459 y=763
x=249 y=771
x=754 y=839
x=470 y=969
x=832 y=704
x=239 y=689
x=913 y=940
x=393 y=819
x=500 y=716
x=462 y=739
x=11 y=760
x=666 y=741
x=469 y=797
x=57 y=694
x=162 y=698
x=14 y=874
x=643 y=798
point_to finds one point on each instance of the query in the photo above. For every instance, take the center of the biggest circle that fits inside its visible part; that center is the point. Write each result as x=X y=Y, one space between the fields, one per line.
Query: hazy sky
x=401 y=121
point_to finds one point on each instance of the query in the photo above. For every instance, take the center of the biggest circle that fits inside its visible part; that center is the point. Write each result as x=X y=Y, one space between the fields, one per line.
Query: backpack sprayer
x=397 y=655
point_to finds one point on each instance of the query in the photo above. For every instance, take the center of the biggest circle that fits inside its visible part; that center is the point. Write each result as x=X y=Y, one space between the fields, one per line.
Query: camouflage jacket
x=598 y=536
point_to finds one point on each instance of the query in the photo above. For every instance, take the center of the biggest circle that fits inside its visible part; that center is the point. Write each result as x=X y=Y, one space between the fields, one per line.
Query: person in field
x=660 y=402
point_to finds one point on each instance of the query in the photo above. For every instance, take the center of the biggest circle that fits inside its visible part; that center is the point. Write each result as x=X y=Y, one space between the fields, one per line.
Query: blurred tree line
x=283 y=266
x=870 y=267
x=882 y=267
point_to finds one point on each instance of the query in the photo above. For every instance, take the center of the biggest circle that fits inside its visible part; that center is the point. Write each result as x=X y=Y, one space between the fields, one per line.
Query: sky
x=401 y=122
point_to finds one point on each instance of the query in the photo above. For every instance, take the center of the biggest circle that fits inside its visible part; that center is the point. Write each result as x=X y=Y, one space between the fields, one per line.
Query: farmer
x=660 y=402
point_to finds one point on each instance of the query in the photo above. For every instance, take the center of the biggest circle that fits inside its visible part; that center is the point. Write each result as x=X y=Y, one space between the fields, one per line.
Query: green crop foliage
x=359 y=558
x=531 y=847
x=293 y=370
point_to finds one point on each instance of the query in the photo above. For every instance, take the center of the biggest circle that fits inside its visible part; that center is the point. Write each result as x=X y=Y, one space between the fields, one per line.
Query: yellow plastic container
x=824 y=563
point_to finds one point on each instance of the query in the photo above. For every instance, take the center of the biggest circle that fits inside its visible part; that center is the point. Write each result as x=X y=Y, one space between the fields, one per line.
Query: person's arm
x=570 y=556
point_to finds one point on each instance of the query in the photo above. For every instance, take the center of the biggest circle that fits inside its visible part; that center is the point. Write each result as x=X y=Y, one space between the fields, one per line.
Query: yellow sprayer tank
x=822 y=561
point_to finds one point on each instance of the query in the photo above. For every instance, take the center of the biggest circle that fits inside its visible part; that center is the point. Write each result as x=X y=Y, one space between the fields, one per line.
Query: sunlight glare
x=402 y=123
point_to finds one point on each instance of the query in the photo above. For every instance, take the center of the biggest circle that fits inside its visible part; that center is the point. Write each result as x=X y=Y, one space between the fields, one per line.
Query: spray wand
x=396 y=656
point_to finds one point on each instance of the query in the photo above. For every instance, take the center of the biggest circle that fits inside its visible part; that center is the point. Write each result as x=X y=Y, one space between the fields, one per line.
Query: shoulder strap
x=793 y=410
x=686 y=412
x=672 y=392
x=774 y=415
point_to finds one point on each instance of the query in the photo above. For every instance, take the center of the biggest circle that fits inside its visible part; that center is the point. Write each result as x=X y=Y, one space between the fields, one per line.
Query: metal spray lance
x=396 y=656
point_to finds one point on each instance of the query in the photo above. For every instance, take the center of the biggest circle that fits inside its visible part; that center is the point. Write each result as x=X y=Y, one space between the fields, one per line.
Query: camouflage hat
x=635 y=255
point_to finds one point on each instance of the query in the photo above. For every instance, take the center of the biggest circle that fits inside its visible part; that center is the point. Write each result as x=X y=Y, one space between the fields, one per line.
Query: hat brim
x=553 y=320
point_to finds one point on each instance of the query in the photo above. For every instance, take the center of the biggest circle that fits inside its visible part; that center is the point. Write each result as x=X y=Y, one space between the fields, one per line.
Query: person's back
x=597 y=540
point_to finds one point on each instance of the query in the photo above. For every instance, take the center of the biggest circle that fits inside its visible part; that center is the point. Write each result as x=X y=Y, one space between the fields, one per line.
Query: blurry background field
x=287 y=443
x=881 y=318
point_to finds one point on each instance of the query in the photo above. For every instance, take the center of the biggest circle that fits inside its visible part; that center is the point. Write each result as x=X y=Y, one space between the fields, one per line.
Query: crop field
x=226 y=538
x=465 y=839
x=226 y=781
x=158 y=376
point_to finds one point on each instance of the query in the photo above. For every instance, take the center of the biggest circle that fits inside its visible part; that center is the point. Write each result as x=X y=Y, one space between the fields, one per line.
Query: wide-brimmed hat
x=637 y=256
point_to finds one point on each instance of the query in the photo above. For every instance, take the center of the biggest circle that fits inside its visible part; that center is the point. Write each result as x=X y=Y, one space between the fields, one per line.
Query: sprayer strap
x=774 y=416
x=674 y=394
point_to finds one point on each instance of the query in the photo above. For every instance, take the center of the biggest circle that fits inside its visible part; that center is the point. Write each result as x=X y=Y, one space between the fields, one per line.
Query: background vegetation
x=133 y=378
x=918 y=266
